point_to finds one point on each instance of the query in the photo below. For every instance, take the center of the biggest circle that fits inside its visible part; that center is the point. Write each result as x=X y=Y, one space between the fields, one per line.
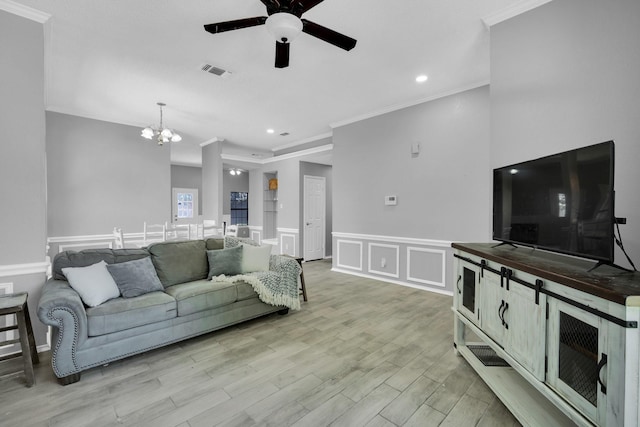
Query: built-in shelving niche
x=270 y=201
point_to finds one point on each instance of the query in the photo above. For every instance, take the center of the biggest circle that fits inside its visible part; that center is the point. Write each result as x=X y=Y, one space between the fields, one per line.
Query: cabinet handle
x=603 y=361
x=504 y=310
x=458 y=284
x=500 y=312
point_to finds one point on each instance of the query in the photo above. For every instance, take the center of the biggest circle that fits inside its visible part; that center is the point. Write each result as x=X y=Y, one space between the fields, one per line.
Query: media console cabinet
x=558 y=344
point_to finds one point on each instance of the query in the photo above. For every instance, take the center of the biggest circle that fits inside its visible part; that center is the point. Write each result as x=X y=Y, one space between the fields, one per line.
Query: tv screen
x=563 y=203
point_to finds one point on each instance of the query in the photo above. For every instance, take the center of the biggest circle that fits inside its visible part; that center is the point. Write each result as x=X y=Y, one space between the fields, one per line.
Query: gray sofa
x=189 y=305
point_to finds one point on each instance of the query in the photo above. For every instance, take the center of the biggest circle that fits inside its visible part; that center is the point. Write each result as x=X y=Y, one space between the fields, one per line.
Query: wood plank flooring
x=359 y=353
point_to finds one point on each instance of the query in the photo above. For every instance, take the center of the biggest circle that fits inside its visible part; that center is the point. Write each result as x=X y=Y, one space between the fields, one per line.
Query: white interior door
x=184 y=205
x=314 y=217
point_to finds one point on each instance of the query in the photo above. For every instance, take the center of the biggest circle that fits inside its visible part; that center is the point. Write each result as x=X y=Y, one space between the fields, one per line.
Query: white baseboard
x=394 y=282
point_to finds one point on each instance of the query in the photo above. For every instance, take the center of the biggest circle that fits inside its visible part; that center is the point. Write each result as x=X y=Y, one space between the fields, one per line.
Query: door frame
x=196 y=205
x=304 y=215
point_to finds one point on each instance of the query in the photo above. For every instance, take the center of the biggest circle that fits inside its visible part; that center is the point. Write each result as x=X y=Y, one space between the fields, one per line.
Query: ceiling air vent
x=284 y=134
x=208 y=68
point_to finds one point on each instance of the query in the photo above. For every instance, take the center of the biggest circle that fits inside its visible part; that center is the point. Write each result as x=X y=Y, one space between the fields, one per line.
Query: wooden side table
x=17 y=304
x=303 y=287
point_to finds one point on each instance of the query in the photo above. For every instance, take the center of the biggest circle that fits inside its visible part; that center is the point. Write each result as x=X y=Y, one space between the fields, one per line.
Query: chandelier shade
x=161 y=133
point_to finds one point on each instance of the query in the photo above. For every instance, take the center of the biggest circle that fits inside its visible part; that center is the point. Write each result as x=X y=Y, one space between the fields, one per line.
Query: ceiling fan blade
x=301 y=6
x=272 y=5
x=328 y=35
x=282 y=55
x=220 y=27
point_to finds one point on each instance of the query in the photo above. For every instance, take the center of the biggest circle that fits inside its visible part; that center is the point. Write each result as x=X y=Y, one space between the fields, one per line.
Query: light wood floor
x=359 y=353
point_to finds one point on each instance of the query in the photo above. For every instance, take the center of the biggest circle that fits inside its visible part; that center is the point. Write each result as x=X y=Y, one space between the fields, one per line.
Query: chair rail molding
x=24 y=269
x=394 y=239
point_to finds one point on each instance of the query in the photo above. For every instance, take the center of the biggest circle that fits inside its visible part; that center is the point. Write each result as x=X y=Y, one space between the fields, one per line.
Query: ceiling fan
x=285 y=22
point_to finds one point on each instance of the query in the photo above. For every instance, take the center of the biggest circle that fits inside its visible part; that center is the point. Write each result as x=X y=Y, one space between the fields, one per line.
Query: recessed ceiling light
x=270 y=131
x=422 y=78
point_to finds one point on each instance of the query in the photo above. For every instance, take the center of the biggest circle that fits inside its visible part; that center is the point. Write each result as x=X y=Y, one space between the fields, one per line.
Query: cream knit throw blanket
x=278 y=286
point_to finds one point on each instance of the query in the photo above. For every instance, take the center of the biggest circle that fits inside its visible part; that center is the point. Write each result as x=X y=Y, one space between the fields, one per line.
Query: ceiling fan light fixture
x=284 y=26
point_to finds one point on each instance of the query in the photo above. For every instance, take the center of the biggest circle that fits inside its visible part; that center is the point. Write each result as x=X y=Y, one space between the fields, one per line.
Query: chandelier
x=161 y=133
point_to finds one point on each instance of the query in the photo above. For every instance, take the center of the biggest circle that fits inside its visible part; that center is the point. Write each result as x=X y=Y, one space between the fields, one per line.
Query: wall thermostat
x=390 y=200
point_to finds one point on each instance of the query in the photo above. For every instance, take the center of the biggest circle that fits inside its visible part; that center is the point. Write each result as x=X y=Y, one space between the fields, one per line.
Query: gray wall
x=23 y=209
x=325 y=171
x=231 y=183
x=22 y=150
x=565 y=75
x=443 y=193
x=102 y=175
x=187 y=177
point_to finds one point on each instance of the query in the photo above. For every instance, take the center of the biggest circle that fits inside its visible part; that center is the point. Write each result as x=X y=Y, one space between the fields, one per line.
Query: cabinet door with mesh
x=578 y=359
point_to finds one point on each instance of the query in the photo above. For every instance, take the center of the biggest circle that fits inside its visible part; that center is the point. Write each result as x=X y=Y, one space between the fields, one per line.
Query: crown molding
x=24 y=11
x=301 y=153
x=400 y=106
x=303 y=141
x=511 y=11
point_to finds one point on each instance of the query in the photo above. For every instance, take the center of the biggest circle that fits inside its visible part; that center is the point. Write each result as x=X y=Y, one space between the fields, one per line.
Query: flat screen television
x=562 y=203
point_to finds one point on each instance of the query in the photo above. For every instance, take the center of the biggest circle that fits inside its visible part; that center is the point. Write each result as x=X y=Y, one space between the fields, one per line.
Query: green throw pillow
x=225 y=261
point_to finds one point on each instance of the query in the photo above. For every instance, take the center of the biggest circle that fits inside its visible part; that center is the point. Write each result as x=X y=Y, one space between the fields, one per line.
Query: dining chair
x=154 y=233
x=208 y=228
x=178 y=231
x=118 y=238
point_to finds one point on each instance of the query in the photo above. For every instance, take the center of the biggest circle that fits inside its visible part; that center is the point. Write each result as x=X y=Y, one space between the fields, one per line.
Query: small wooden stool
x=17 y=304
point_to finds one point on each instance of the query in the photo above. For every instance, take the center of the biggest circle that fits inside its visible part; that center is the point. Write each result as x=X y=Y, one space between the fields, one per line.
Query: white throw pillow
x=94 y=284
x=255 y=258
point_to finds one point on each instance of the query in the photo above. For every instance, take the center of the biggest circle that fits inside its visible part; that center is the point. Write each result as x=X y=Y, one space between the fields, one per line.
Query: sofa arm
x=61 y=307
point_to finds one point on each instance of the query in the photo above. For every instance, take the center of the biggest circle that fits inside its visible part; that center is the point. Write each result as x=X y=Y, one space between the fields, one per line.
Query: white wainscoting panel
x=407 y=261
x=427 y=266
x=349 y=254
x=389 y=255
x=288 y=244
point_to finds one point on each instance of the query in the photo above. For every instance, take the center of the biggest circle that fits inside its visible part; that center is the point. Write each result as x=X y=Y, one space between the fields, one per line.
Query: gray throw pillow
x=135 y=278
x=225 y=261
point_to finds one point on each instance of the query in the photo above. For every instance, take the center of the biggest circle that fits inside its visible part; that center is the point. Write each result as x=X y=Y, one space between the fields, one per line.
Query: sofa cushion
x=202 y=295
x=124 y=313
x=179 y=262
x=135 y=278
x=225 y=261
x=89 y=257
x=245 y=291
x=94 y=284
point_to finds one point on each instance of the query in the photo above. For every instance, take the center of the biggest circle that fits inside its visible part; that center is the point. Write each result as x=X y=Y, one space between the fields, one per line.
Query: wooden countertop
x=606 y=282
